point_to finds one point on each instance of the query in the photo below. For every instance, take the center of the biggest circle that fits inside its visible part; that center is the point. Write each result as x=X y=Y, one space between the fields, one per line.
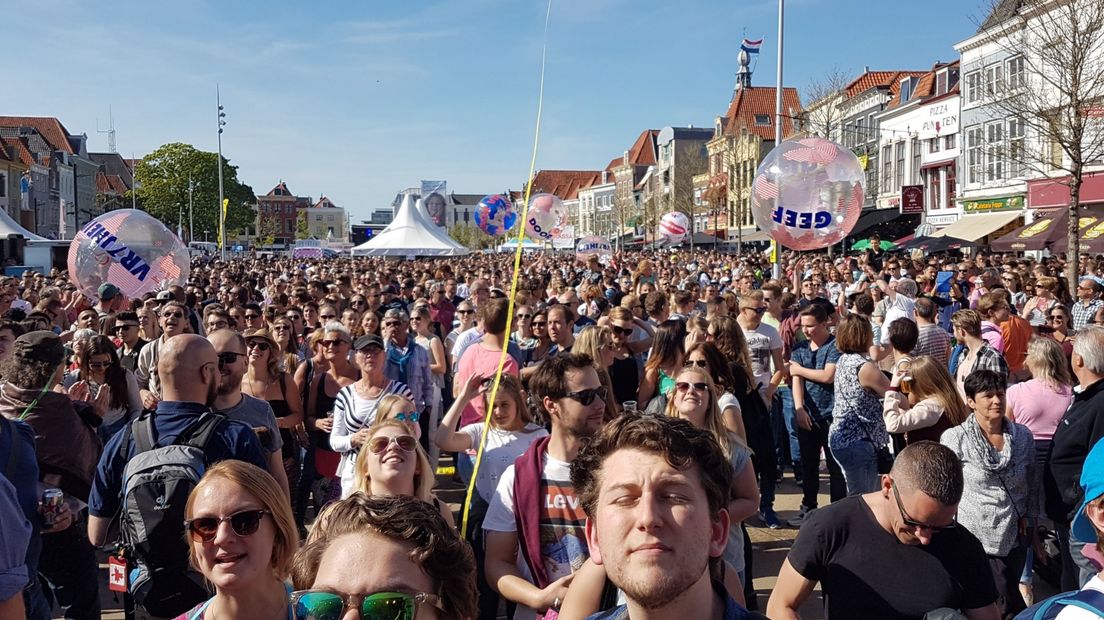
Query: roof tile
x=748 y=103
x=49 y=127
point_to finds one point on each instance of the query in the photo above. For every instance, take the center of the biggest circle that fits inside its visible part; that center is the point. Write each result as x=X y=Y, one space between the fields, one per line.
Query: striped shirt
x=933 y=341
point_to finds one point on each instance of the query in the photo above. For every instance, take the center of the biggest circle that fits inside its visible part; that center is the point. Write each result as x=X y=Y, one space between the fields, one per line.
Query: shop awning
x=757 y=236
x=1048 y=232
x=872 y=218
x=974 y=227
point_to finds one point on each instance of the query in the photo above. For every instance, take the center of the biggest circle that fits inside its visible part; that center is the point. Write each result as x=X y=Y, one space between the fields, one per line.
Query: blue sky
x=357 y=100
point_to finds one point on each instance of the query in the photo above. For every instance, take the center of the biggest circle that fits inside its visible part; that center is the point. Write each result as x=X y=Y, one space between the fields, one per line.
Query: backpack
x=156 y=485
x=1089 y=600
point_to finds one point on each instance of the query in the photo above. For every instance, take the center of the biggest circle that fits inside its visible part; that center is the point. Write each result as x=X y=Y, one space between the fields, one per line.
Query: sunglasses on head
x=411 y=416
x=585 y=397
x=684 y=386
x=260 y=345
x=379 y=444
x=327 y=605
x=244 y=523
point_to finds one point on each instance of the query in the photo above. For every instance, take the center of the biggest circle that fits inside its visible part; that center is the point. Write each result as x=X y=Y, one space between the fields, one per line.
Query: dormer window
x=762 y=120
x=907 y=85
x=941 y=81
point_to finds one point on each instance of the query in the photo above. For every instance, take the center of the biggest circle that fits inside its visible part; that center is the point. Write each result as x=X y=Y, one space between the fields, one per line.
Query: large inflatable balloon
x=673 y=227
x=547 y=215
x=130 y=249
x=808 y=193
x=593 y=246
x=495 y=215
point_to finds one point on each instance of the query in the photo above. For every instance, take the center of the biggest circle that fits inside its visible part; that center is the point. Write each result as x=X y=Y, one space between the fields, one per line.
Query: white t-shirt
x=563 y=524
x=900 y=308
x=728 y=400
x=1074 y=613
x=761 y=342
x=502 y=449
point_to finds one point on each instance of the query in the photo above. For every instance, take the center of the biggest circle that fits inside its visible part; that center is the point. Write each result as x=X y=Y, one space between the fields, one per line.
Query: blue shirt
x=232 y=440
x=732 y=609
x=15 y=535
x=819 y=397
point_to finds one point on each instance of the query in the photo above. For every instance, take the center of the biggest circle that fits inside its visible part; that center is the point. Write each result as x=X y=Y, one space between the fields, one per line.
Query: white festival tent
x=411 y=233
x=8 y=226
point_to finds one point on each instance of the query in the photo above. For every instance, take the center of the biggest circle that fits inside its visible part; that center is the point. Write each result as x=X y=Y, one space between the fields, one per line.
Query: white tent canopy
x=411 y=233
x=8 y=226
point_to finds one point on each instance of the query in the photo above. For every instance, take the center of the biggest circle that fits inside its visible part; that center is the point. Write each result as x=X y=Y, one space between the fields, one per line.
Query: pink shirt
x=1038 y=406
x=477 y=359
x=991 y=333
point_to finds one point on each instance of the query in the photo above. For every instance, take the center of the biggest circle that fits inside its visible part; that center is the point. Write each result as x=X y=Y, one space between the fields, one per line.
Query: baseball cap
x=108 y=291
x=39 y=346
x=366 y=340
x=165 y=296
x=1092 y=484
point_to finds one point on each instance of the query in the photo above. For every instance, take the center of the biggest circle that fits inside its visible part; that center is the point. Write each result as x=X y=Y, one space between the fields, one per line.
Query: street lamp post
x=778 y=122
x=221 y=214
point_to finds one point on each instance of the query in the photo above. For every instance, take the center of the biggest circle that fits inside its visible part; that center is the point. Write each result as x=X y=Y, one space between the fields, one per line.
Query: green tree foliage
x=302 y=229
x=162 y=178
x=472 y=238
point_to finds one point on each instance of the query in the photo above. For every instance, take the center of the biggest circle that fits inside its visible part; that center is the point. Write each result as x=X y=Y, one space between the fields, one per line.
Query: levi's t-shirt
x=562 y=523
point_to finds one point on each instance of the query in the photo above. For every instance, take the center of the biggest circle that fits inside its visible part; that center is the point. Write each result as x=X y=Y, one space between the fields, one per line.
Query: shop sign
x=993 y=205
x=942 y=220
x=912 y=199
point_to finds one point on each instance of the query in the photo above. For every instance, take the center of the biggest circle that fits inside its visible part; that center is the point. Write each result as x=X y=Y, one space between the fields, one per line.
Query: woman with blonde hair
x=401 y=409
x=597 y=342
x=242 y=538
x=922 y=401
x=1037 y=309
x=393 y=463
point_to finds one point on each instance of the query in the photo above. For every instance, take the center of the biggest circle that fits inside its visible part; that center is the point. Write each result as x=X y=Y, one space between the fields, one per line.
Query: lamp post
x=221 y=215
x=778 y=121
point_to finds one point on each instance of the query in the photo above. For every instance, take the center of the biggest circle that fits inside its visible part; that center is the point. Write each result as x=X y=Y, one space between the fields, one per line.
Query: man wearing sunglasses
x=894 y=553
x=408 y=363
x=535 y=523
x=174 y=321
x=189 y=379
x=230 y=349
x=131 y=341
x=1088 y=301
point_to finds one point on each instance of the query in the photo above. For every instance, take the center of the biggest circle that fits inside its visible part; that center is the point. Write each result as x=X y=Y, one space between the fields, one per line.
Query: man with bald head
x=188 y=368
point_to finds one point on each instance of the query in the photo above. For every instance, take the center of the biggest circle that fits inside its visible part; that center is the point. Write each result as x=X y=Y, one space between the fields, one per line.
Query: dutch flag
x=751 y=47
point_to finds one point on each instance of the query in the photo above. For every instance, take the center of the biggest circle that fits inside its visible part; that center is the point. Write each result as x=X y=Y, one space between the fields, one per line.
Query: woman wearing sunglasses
x=597 y=342
x=383 y=557
x=664 y=362
x=288 y=348
x=438 y=364
x=694 y=399
x=266 y=379
x=392 y=462
x=242 y=538
x=1058 y=328
x=99 y=367
x=401 y=409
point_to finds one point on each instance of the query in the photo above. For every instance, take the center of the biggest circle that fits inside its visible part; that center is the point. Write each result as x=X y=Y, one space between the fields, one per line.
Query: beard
x=652 y=592
x=212 y=393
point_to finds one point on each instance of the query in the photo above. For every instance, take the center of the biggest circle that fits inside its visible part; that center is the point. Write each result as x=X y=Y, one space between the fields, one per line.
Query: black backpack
x=156 y=484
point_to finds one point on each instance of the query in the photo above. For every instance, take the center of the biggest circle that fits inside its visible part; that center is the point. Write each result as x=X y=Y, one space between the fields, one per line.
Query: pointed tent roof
x=8 y=226
x=411 y=234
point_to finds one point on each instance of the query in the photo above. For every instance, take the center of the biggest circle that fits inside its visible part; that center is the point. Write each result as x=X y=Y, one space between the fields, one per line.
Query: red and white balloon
x=673 y=227
x=808 y=193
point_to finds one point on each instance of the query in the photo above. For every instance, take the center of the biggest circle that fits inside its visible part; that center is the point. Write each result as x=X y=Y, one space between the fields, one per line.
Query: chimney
x=604 y=175
x=625 y=158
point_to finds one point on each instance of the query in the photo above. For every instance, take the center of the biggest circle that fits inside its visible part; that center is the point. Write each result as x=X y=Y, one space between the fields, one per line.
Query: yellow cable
x=513 y=285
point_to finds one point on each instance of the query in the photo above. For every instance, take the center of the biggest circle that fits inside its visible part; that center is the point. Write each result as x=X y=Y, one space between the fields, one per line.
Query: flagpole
x=221 y=209
x=778 y=124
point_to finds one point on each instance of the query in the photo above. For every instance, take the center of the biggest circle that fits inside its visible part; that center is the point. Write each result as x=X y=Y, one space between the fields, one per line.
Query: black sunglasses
x=260 y=345
x=228 y=358
x=909 y=521
x=244 y=523
x=585 y=397
x=624 y=331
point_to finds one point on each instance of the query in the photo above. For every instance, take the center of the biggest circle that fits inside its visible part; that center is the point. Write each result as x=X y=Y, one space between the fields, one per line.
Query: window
x=994 y=151
x=899 y=177
x=974 y=148
x=762 y=120
x=933 y=187
x=933 y=145
x=941 y=82
x=860 y=131
x=1016 y=155
x=3 y=186
x=994 y=79
x=887 y=165
x=906 y=89
x=1014 y=69
x=973 y=87
x=915 y=149
x=949 y=141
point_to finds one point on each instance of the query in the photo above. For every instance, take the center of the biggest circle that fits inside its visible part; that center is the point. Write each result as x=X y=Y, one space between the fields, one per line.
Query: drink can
x=51 y=502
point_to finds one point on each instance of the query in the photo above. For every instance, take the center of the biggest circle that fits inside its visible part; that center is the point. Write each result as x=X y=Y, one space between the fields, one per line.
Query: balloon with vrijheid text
x=808 y=193
x=128 y=248
x=546 y=217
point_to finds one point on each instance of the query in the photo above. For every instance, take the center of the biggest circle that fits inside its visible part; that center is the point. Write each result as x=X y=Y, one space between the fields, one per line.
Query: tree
x=267 y=227
x=302 y=229
x=162 y=189
x=823 y=115
x=474 y=239
x=1057 y=97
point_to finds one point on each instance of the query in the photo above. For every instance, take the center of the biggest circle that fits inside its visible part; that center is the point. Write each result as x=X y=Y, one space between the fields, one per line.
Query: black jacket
x=1079 y=430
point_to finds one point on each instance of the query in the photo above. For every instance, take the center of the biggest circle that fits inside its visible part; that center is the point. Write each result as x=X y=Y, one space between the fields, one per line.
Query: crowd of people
x=267 y=441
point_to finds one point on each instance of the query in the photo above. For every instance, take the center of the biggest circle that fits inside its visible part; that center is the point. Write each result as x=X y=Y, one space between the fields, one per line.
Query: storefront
x=990 y=217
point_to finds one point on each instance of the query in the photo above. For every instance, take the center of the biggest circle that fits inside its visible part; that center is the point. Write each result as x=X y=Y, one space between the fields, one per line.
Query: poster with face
x=435 y=199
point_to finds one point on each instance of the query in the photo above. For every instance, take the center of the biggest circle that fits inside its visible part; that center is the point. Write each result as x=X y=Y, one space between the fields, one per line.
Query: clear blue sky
x=359 y=99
